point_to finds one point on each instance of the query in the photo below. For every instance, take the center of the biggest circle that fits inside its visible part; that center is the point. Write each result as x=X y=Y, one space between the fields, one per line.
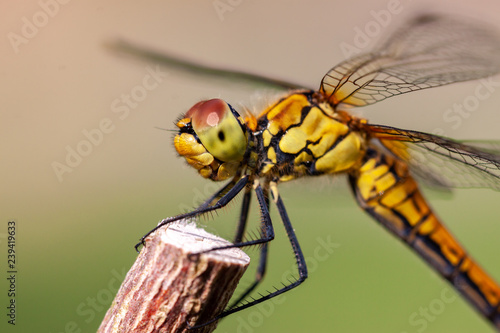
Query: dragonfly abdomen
x=384 y=188
x=302 y=136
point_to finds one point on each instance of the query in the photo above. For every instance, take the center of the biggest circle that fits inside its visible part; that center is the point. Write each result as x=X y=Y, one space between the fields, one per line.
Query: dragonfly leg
x=223 y=201
x=259 y=275
x=267 y=230
x=299 y=257
x=261 y=269
x=219 y=194
x=242 y=223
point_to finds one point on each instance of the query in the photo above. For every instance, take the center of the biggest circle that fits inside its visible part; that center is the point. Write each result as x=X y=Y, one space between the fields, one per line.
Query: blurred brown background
x=78 y=217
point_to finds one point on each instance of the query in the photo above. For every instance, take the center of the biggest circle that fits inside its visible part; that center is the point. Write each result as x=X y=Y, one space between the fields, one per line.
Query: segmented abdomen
x=384 y=188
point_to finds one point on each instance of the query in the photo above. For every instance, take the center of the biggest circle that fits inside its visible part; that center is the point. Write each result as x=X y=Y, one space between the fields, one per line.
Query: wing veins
x=430 y=52
x=440 y=161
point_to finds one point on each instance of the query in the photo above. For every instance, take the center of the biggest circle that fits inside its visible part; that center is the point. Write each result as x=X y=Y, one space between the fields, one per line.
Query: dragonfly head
x=212 y=138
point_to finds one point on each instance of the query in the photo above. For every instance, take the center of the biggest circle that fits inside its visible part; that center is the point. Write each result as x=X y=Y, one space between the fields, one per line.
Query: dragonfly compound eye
x=217 y=126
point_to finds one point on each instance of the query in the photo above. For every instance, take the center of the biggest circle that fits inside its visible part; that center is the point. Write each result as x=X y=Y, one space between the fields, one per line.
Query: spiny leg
x=219 y=194
x=299 y=257
x=266 y=224
x=261 y=269
x=297 y=251
x=223 y=201
x=242 y=223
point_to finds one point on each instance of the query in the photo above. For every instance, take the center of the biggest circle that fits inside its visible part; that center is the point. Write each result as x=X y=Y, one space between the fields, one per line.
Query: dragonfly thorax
x=302 y=135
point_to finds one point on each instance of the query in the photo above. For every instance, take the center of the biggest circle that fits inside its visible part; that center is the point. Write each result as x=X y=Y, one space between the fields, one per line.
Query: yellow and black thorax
x=301 y=135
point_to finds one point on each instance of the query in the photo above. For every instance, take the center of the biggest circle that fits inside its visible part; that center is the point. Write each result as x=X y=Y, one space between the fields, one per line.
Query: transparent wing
x=198 y=69
x=443 y=162
x=430 y=51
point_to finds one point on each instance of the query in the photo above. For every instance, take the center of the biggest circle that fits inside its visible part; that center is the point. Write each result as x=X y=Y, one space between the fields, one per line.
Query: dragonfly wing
x=188 y=66
x=430 y=51
x=443 y=162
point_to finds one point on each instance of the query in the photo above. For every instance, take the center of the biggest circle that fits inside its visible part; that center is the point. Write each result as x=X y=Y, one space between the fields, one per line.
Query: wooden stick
x=166 y=288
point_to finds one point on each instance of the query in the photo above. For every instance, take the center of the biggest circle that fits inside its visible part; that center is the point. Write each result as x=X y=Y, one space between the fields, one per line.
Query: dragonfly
x=308 y=133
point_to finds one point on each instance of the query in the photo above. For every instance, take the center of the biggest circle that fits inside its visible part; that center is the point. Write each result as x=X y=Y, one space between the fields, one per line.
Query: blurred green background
x=76 y=227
